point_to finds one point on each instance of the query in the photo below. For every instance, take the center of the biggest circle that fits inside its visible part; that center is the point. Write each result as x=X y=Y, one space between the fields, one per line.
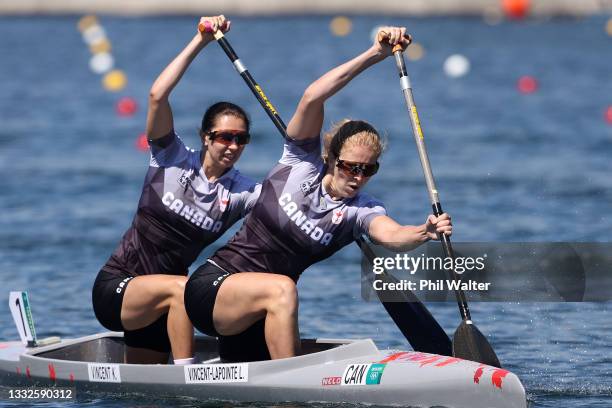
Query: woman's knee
x=177 y=290
x=283 y=295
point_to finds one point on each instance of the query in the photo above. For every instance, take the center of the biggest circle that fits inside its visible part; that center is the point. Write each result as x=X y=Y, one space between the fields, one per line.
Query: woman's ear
x=204 y=138
x=329 y=162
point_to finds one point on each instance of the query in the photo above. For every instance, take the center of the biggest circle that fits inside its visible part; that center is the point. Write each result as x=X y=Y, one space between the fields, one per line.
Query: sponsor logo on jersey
x=192 y=215
x=185 y=177
x=337 y=216
x=363 y=374
x=104 y=373
x=216 y=373
x=331 y=381
x=305 y=186
x=305 y=224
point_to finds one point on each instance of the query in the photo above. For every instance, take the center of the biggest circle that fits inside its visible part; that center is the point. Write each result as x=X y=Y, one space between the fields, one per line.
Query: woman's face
x=225 y=140
x=353 y=169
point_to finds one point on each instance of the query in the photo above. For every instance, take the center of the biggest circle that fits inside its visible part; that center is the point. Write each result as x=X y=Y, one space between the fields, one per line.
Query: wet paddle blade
x=470 y=344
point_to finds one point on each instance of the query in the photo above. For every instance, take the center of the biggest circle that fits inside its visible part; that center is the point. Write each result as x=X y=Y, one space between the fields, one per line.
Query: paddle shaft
x=244 y=73
x=429 y=179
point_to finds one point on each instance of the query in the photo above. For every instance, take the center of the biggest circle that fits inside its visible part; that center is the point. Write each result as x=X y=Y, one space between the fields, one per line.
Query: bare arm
x=388 y=233
x=307 y=120
x=159 y=115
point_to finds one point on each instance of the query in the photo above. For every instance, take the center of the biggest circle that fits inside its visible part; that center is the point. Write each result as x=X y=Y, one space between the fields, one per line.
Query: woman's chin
x=351 y=192
x=227 y=162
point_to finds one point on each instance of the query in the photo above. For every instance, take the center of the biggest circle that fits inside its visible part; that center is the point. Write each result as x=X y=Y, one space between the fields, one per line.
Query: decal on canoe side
x=477 y=374
x=216 y=373
x=52 y=374
x=423 y=359
x=497 y=375
x=331 y=381
x=110 y=373
x=363 y=374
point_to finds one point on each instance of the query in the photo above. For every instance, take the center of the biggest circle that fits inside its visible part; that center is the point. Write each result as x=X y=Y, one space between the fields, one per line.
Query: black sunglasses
x=355 y=168
x=227 y=137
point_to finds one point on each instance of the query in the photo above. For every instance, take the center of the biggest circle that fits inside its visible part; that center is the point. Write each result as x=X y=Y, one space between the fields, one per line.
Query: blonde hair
x=348 y=133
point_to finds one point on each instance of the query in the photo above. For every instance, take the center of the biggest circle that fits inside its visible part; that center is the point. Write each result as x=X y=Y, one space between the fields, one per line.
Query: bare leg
x=245 y=298
x=146 y=299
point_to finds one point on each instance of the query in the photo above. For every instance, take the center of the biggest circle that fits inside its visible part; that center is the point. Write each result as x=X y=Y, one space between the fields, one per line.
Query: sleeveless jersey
x=180 y=212
x=295 y=223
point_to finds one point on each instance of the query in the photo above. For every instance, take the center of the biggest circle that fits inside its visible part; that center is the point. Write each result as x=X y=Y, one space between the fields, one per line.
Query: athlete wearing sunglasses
x=228 y=137
x=189 y=199
x=355 y=168
x=310 y=207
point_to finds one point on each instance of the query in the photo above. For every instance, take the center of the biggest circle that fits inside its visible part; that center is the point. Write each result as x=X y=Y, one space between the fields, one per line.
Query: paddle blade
x=470 y=344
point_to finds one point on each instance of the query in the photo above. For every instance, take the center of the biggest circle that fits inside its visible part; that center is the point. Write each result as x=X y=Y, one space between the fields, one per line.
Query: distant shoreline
x=421 y=8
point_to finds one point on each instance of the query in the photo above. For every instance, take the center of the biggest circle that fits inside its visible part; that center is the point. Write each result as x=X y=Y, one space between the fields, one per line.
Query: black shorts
x=107 y=299
x=200 y=295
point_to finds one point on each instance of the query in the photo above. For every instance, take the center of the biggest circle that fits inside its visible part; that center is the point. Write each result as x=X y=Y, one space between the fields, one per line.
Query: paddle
x=414 y=321
x=244 y=73
x=411 y=316
x=468 y=342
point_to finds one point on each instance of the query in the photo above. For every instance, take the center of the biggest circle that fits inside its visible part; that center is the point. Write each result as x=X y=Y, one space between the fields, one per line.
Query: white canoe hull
x=353 y=371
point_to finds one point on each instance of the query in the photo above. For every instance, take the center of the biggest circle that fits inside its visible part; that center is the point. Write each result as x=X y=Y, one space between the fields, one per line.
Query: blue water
x=510 y=167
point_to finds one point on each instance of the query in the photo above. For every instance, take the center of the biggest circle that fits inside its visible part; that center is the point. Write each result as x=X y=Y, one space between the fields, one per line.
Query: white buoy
x=456 y=66
x=101 y=63
x=94 y=34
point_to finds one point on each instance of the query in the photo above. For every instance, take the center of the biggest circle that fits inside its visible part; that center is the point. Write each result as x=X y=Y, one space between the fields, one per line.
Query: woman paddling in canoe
x=189 y=199
x=309 y=208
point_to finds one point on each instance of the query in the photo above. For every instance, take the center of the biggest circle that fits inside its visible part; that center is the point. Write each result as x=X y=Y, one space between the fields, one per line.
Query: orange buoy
x=527 y=84
x=114 y=81
x=515 y=9
x=341 y=26
x=142 y=143
x=609 y=115
x=126 y=106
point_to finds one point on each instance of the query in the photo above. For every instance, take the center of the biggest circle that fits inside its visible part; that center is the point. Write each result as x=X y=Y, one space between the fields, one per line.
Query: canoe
x=329 y=370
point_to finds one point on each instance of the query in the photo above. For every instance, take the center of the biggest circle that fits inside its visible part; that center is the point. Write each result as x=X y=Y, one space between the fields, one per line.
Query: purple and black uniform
x=294 y=224
x=180 y=212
